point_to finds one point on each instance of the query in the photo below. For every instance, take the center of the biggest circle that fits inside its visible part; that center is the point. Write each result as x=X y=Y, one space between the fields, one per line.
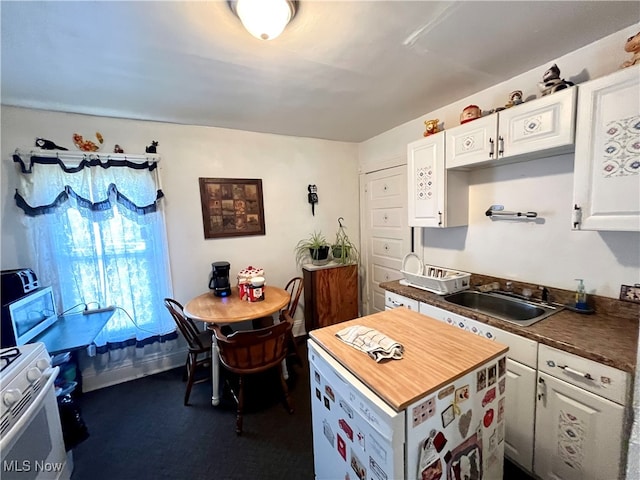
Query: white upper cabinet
x=606 y=189
x=535 y=129
x=436 y=198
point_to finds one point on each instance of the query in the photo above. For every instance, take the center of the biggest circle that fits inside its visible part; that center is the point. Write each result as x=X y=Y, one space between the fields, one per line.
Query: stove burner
x=8 y=356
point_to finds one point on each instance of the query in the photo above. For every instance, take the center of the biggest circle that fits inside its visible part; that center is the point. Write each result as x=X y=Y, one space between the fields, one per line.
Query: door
x=607 y=171
x=520 y=414
x=577 y=433
x=386 y=237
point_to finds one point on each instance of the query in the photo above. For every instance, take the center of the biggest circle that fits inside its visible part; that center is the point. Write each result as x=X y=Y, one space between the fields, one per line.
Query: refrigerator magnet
x=327 y=403
x=491 y=375
x=462 y=394
x=464 y=423
x=488 y=418
x=481 y=380
x=328 y=433
x=489 y=397
x=342 y=447
x=329 y=391
x=377 y=470
x=447 y=416
x=502 y=366
x=358 y=467
x=502 y=384
x=346 y=428
x=445 y=392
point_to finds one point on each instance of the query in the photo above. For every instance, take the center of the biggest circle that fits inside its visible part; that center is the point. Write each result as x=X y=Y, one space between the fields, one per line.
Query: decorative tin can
x=243 y=282
x=255 y=291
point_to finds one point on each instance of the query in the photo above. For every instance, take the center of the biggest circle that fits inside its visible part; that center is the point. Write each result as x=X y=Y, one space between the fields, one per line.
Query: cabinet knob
x=385 y=217
x=385 y=188
x=386 y=247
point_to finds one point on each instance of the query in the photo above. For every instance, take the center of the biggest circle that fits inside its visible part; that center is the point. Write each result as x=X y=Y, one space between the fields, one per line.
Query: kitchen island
x=437 y=410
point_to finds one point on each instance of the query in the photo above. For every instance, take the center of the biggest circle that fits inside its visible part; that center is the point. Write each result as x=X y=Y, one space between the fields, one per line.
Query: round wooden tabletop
x=209 y=308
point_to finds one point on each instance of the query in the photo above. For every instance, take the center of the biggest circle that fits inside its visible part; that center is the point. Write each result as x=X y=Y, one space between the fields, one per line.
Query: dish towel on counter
x=377 y=345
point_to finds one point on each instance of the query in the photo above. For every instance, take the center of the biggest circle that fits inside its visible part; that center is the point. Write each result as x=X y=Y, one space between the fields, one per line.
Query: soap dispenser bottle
x=581 y=296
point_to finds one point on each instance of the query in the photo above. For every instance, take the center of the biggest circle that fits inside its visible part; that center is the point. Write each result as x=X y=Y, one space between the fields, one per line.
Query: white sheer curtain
x=97 y=235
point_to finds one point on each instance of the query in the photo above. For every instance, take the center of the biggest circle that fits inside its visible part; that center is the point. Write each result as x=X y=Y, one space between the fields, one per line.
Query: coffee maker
x=219 y=282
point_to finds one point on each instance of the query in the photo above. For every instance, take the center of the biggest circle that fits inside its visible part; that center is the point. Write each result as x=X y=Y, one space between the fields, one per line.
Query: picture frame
x=232 y=207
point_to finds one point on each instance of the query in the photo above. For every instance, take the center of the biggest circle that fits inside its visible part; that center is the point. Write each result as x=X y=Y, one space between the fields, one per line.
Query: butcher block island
x=437 y=412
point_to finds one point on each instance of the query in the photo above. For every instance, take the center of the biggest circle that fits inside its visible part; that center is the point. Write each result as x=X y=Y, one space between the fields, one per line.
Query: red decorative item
x=471 y=112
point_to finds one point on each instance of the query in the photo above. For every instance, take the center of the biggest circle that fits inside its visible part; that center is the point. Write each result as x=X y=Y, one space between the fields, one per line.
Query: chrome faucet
x=544 y=294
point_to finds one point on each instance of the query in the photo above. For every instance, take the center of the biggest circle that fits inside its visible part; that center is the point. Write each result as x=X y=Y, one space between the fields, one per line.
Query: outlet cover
x=630 y=293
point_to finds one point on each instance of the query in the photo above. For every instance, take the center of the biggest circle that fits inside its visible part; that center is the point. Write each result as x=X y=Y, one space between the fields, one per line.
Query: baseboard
x=131 y=369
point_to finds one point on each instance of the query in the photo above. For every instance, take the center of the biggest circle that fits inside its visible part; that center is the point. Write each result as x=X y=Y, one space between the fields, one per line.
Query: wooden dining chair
x=247 y=352
x=198 y=341
x=294 y=287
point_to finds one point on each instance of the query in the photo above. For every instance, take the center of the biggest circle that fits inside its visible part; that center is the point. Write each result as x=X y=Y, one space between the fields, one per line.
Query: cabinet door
x=473 y=143
x=426 y=177
x=607 y=163
x=330 y=295
x=436 y=198
x=545 y=124
x=520 y=414
x=578 y=434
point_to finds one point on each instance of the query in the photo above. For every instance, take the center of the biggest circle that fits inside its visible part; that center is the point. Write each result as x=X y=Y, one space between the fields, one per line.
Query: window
x=97 y=236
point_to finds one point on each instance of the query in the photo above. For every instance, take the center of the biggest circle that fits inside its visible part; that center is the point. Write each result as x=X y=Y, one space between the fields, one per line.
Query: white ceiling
x=342 y=70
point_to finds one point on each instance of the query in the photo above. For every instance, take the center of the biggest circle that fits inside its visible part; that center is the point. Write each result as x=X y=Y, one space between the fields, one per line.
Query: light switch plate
x=630 y=293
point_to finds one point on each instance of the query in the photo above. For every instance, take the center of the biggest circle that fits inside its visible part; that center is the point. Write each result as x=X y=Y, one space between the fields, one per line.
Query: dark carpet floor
x=140 y=430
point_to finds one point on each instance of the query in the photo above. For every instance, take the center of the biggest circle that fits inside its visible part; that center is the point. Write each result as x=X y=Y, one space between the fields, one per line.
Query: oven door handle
x=27 y=415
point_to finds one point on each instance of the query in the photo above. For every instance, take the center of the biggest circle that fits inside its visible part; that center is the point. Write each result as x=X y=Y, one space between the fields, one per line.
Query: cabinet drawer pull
x=500 y=145
x=575 y=372
x=541 y=388
x=491 y=148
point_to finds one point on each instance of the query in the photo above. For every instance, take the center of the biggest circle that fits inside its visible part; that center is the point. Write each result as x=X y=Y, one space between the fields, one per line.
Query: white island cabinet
x=521 y=382
x=606 y=185
x=437 y=412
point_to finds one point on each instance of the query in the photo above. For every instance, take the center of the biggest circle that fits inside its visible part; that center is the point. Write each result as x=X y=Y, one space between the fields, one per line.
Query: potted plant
x=315 y=246
x=343 y=249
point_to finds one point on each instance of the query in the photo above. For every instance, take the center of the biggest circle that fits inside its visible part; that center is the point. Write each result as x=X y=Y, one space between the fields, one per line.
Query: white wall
x=545 y=252
x=286 y=166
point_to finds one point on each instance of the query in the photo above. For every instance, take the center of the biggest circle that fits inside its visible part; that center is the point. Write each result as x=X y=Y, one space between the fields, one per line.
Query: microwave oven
x=25 y=318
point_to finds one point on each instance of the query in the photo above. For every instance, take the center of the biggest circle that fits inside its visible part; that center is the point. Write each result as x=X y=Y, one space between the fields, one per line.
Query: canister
x=255 y=291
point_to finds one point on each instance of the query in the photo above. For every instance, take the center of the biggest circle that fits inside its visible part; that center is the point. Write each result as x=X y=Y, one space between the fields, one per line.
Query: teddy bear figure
x=632 y=46
x=431 y=127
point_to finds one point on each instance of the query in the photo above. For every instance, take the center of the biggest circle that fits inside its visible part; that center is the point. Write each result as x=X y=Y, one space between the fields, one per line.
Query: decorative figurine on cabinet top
x=431 y=127
x=87 y=145
x=470 y=112
x=551 y=81
x=152 y=148
x=632 y=46
x=117 y=149
x=515 y=98
x=45 y=144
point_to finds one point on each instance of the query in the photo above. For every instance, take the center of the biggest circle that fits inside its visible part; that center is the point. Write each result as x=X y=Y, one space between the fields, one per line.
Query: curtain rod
x=78 y=155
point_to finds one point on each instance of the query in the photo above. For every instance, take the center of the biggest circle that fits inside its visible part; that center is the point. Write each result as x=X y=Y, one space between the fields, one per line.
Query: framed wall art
x=231 y=207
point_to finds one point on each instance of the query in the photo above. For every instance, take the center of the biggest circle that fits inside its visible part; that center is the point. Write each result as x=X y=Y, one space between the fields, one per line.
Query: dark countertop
x=603 y=337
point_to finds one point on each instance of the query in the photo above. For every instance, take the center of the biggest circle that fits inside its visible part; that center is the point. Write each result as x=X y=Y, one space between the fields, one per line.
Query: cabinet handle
x=396 y=304
x=500 y=145
x=575 y=372
x=541 y=388
x=577 y=216
x=491 y=147
x=439 y=218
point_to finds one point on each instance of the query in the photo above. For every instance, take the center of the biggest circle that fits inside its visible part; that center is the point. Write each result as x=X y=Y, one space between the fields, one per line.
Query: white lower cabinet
x=521 y=382
x=579 y=433
x=520 y=414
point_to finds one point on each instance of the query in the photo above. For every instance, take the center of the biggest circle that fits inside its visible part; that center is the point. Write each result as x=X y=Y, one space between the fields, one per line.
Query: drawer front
x=393 y=300
x=608 y=382
x=387 y=187
x=521 y=349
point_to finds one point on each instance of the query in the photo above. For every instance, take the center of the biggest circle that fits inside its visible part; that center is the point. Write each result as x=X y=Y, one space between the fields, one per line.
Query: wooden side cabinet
x=330 y=294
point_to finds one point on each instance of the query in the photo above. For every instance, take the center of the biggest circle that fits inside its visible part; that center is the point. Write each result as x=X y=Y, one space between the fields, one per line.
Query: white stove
x=31 y=442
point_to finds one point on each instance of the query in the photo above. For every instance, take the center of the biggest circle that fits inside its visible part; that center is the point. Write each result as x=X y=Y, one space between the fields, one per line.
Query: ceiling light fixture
x=264 y=19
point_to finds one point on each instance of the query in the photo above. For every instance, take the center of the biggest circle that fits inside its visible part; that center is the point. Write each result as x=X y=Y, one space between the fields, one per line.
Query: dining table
x=231 y=309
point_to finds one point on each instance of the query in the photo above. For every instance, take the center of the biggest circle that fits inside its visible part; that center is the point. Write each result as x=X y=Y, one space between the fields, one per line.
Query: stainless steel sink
x=519 y=311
